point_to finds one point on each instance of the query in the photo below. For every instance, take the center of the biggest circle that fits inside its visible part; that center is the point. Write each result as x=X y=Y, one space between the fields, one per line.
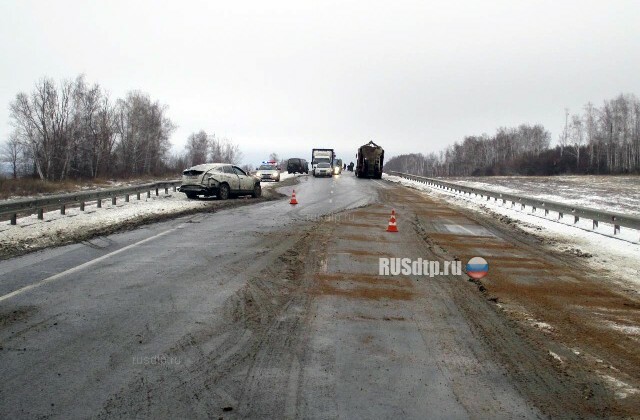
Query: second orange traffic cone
x=293 y=198
x=392 y=222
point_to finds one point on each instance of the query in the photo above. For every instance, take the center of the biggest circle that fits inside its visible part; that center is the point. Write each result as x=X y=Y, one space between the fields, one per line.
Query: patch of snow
x=543 y=325
x=555 y=356
x=32 y=232
x=627 y=329
x=622 y=389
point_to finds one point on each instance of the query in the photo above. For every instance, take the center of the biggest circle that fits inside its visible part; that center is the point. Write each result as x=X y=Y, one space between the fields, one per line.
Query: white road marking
x=80 y=267
x=380 y=183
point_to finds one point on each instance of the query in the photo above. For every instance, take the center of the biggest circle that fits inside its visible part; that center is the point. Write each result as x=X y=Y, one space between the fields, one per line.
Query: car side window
x=228 y=170
x=238 y=171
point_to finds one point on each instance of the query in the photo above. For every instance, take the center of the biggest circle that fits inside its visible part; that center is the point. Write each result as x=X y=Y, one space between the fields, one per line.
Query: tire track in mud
x=567 y=389
x=226 y=363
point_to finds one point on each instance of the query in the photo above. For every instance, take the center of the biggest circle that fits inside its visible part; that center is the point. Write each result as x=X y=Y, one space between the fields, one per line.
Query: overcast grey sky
x=286 y=76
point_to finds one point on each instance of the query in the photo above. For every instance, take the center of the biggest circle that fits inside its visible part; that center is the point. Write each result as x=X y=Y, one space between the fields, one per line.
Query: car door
x=246 y=181
x=232 y=178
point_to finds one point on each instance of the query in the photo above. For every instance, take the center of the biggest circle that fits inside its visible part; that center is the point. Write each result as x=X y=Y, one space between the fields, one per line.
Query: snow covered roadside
x=616 y=256
x=30 y=233
x=604 y=192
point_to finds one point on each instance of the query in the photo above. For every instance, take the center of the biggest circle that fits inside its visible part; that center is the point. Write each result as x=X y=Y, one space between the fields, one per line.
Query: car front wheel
x=223 y=192
x=257 y=191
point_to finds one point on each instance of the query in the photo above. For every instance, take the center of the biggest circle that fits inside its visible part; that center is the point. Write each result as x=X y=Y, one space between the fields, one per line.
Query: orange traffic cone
x=293 y=198
x=392 y=222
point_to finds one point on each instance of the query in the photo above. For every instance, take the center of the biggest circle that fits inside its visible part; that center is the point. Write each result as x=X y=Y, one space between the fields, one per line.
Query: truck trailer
x=369 y=161
x=322 y=156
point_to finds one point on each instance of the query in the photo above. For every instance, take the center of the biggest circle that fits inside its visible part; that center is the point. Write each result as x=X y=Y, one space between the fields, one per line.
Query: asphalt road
x=269 y=311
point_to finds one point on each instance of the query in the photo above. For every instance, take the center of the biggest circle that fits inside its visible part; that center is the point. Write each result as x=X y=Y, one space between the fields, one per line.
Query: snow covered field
x=619 y=256
x=613 y=193
x=31 y=233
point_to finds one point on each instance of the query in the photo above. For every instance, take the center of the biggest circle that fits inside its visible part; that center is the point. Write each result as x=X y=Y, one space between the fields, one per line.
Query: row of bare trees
x=477 y=154
x=202 y=147
x=603 y=140
x=72 y=129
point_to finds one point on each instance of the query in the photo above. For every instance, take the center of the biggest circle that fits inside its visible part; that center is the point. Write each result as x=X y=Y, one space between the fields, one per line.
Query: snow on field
x=30 y=232
x=613 y=193
x=619 y=256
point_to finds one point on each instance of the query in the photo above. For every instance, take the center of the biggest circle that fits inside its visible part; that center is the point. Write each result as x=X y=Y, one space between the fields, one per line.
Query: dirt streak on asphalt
x=579 y=327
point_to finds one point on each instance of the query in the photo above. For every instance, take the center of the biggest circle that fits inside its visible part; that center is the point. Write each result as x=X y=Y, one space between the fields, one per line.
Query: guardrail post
x=126 y=198
x=616 y=227
x=166 y=190
x=522 y=206
x=546 y=212
x=533 y=209
x=576 y=219
x=595 y=224
x=174 y=188
x=62 y=209
x=113 y=200
x=40 y=214
x=99 y=203
x=157 y=191
x=149 y=194
x=14 y=218
x=138 y=195
x=560 y=215
x=82 y=206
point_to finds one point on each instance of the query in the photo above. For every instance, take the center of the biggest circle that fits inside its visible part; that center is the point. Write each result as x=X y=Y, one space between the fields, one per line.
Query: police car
x=268 y=171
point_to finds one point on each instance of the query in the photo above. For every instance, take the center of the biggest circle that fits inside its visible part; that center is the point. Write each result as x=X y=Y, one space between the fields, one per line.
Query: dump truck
x=369 y=161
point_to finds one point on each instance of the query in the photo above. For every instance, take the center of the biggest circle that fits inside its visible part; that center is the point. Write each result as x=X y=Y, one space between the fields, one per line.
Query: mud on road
x=321 y=334
x=573 y=329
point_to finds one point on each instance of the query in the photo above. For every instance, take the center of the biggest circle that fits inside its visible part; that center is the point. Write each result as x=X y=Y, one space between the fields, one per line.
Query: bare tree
x=223 y=150
x=11 y=153
x=197 y=148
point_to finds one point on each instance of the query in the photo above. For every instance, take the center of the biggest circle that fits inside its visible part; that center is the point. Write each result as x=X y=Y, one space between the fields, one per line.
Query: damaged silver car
x=222 y=180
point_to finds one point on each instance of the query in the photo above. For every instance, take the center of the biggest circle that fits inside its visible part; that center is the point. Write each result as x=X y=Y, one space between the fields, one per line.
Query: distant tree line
x=75 y=130
x=72 y=129
x=603 y=140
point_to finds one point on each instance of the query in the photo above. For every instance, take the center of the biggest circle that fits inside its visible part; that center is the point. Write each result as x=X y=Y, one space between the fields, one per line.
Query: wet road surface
x=273 y=311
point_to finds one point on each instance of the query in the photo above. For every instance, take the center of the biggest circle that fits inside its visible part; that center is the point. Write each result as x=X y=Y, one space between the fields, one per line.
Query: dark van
x=297 y=166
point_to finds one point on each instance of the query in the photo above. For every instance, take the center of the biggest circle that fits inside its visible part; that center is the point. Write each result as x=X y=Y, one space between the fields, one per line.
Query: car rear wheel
x=223 y=192
x=257 y=191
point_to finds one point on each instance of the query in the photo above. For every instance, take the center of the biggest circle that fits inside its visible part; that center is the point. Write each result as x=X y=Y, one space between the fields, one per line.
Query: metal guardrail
x=38 y=205
x=618 y=220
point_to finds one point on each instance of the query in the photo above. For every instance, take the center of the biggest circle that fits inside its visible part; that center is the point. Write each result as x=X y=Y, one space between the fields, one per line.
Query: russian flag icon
x=477 y=267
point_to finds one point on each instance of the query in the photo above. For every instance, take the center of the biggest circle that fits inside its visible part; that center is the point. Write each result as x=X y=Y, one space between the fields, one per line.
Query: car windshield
x=267 y=168
x=323 y=165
